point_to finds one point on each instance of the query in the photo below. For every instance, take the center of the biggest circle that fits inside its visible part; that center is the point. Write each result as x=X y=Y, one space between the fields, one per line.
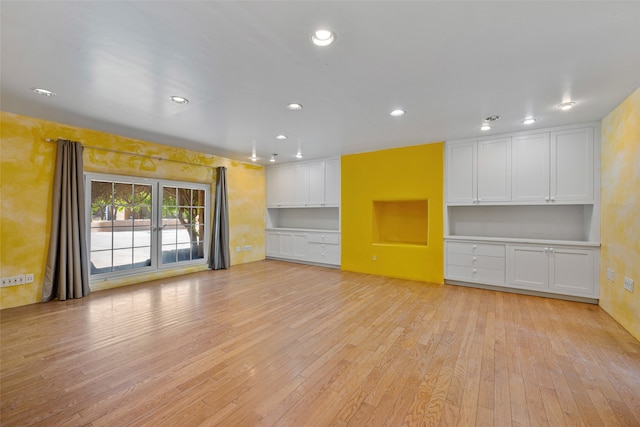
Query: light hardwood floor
x=272 y=343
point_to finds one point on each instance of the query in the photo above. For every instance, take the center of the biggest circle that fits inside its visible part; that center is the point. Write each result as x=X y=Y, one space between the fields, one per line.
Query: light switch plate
x=628 y=284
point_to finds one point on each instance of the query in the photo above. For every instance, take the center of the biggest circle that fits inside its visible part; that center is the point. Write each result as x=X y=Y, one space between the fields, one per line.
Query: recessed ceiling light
x=273 y=157
x=179 y=100
x=299 y=155
x=322 y=38
x=43 y=92
x=281 y=137
x=566 y=105
x=485 y=126
x=529 y=121
x=253 y=158
x=294 y=106
x=397 y=113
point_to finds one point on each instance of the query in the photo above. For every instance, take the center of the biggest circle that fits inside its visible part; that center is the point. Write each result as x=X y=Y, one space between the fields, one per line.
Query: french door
x=139 y=224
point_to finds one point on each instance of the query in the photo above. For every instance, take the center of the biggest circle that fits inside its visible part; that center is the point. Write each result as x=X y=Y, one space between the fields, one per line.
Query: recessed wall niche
x=401 y=222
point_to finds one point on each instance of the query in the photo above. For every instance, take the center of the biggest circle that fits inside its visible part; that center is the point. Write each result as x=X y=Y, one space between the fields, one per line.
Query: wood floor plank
x=279 y=344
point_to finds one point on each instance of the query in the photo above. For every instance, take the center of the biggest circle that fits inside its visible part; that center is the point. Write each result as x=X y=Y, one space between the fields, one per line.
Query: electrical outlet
x=238 y=248
x=247 y=248
x=13 y=280
x=611 y=275
x=374 y=258
x=628 y=284
x=28 y=278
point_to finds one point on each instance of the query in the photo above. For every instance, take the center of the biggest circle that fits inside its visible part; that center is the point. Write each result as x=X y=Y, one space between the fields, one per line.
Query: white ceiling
x=114 y=66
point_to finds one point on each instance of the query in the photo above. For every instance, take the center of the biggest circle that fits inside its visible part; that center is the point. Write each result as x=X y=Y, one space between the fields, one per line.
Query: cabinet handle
x=474 y=247
x=546 y=199
x=475 y=259
x=546 y=250
x=553 y=199
x=551 y=250
x=474 y=271
x=479 y=200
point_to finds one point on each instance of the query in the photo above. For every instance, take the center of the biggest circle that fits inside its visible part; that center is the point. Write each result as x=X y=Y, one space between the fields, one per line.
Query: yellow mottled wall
x=620 y=228
x=391 y=177
x=26 y=176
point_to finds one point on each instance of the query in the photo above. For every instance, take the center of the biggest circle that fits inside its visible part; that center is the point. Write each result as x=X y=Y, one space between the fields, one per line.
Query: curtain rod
x=139 y=155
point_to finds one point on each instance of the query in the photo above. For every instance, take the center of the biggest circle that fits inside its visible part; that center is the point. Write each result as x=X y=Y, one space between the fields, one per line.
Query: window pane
x=183 y=234
x=142 y=236
x=184 y=252
x=169 y=196
x=122 y=193
x=122 y=259
x=169 y=234
x=101 y=239
x=100 y=262
x=122 y=237
x=184 y=197
x=184 y=215
x=142 y=257
x=198 y=198
x=141 y=194
x=168 y=254
x=101 y=192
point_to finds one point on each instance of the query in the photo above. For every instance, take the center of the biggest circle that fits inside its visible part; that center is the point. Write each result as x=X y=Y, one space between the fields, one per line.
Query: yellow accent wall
x=409 y=176
x=26 y=178
x=620 y=228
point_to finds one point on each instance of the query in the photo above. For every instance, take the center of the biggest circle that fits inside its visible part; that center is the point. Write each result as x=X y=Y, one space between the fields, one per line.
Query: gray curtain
x=66 y=274
x=219 y=256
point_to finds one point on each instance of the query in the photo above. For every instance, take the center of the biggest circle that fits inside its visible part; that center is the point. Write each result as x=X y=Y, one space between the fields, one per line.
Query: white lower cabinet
x=564 y=270
x=552 y=269
x=476 y=262
x=306 y=246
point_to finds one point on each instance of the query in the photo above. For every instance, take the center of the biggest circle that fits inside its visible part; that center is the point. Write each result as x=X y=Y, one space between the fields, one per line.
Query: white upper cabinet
x=280 y=186
x=461 y=173
x=308 y=184
x=316 y=183
x=494 y=170
x=572 y=165
x=530 y=173
x=554 y=167
x=538 y=168
x=301 y=184
x=479 y=172
x=332 y=182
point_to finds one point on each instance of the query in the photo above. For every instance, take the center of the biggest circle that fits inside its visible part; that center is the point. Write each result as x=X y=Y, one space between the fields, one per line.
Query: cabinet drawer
x=471 y=274
x=490 y=262
x=324 y=238
x=485 y=249
x=324 y=253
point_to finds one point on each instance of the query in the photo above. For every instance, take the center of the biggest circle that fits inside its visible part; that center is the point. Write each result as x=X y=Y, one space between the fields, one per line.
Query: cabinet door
x=572 y=165
x=280 y=186
x=527 y=267
x=301 y=185
x=530 y=168
x=316 y=183
x=332 y=182
x=300 y=246
x=571 y=271
x=286 y=245
x=272 y=186
x=494 y=170
x=461 y=173
x=273 y=243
